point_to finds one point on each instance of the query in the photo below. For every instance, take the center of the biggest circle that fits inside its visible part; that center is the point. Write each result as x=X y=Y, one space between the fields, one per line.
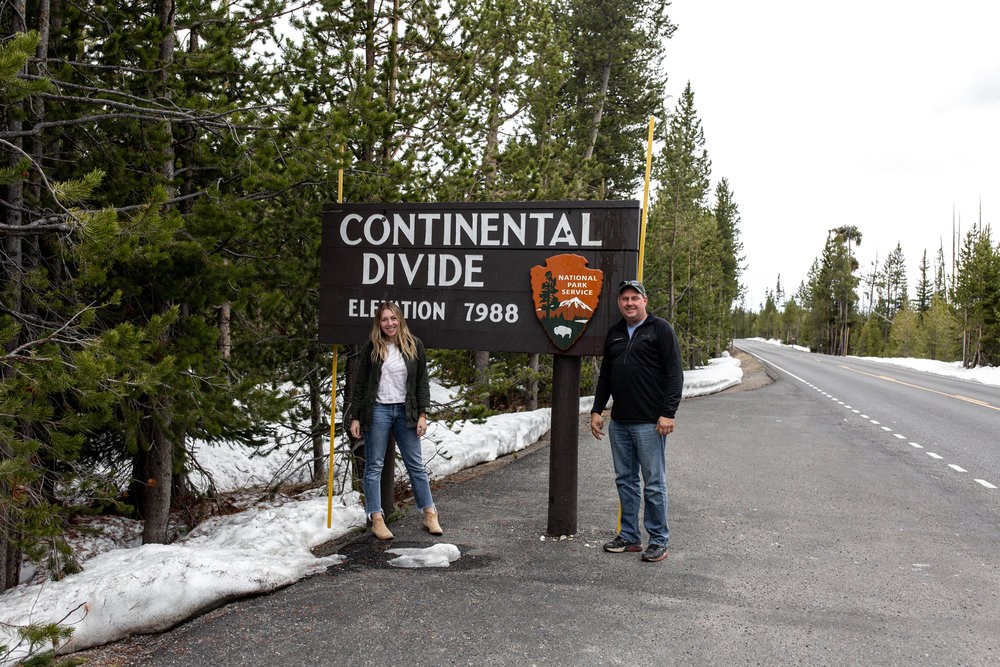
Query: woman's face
x=390 y=324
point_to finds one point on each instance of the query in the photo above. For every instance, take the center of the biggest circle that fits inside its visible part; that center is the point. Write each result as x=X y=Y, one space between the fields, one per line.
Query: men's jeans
x=638 y=449
x=388 y=418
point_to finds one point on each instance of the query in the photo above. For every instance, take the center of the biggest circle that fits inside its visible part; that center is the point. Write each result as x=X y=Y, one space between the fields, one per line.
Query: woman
x=392 y=394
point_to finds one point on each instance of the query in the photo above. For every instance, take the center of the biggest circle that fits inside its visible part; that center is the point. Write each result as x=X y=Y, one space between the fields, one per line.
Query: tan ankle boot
x=379 y=528
x=431 y=524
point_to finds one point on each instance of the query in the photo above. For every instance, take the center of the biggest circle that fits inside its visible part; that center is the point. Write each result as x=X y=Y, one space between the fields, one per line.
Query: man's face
x=632 y=305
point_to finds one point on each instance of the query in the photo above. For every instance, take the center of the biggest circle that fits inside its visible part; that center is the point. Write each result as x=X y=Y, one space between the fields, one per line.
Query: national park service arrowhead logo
x=566 y=294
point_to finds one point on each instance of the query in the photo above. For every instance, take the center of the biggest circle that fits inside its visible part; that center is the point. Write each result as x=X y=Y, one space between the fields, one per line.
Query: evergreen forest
x=951 y=314
x=166 y=163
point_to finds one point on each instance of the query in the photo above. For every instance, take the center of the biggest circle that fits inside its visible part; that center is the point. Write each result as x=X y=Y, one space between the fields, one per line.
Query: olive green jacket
x=418 y=388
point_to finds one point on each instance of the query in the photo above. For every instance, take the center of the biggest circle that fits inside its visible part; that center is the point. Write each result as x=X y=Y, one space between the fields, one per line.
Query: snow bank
x=154 y=587
x=719 y=374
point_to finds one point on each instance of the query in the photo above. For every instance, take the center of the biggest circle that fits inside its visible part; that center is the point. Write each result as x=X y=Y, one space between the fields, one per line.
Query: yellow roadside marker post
x=333 y=391
x=645 y=197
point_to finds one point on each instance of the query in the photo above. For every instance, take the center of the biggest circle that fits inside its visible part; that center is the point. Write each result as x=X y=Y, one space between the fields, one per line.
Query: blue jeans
x=635 y=449
x=388 y=418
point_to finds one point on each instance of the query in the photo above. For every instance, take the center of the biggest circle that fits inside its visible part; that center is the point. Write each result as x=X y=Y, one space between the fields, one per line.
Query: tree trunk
x=10 y=553
x=481 y=363
x=531 y=393
x=158 y=479
x=356 y=446
x=165 y=12
x=225 y=329
x=158 y=469
x=317 y=427
x=599 y=111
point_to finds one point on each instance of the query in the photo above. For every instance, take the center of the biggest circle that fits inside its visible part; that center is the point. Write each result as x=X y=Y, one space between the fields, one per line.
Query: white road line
x=901 y=437
x=886 y=428
x=934 y=456
x=916 y=445
x=985 y=483
x=957 y=468
x=874 y=422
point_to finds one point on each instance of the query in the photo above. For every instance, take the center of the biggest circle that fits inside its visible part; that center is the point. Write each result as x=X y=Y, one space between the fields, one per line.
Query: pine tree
x=977 y=297
x=613 y=83
x=831 y=293
x=905 y=337
x=683 y=170
x=941 y=331
x=894 y=272
x=925 y=287
x=940 y=275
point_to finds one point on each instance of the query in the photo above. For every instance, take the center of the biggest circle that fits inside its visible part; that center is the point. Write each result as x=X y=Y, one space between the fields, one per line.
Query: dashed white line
x=901 y=437
x=985 y=483
x=957 y=468
x=934 y=456
x=916 y=445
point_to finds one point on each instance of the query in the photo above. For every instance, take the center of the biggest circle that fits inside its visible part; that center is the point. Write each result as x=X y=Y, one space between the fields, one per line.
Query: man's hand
x=664 y=425
x=596 y=425
x=355 y=428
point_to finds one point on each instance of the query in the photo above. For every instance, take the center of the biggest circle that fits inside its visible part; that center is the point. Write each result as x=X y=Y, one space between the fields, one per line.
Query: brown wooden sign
x=462 y=272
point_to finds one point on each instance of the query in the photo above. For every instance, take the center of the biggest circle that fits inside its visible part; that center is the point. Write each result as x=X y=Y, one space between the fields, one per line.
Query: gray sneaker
x=618 y=545
x=654 y=553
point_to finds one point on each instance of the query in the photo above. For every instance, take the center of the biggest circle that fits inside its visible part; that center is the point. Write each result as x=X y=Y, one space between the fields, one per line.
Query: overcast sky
x=882 y=114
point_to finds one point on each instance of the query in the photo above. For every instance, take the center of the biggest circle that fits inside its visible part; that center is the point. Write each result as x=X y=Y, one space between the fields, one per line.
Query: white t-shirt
x=392 y=385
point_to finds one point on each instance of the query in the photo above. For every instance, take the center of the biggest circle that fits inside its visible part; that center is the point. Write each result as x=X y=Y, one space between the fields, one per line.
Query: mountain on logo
x=572 y=309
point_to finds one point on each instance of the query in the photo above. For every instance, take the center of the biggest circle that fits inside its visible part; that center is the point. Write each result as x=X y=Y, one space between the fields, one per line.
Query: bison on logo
x=566 y=294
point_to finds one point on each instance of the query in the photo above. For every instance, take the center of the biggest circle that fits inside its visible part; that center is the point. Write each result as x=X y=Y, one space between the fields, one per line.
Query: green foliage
x=906 y=337
x=503 y=388
x=871 y=341
x=830 y=293
x=942 y=331
x=977 y=298
x=37 y=637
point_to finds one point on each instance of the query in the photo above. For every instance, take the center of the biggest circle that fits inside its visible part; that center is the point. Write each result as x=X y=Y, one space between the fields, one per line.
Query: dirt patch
x=755 y=375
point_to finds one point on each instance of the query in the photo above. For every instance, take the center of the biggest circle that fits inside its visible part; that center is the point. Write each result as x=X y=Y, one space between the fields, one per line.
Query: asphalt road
x=948 y=425
x=799 y=534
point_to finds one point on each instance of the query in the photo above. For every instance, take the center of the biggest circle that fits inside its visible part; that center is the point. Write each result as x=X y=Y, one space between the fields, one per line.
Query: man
x=642 y=371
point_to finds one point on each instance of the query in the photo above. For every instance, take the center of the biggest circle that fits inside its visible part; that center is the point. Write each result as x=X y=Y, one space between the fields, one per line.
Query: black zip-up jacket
x=644 y=374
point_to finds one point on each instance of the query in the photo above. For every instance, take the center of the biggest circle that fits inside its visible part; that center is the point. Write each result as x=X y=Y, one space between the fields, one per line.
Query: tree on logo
x=548 y=295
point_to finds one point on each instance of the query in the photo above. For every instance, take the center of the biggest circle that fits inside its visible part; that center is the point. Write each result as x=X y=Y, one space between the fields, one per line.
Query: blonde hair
x=405 y=341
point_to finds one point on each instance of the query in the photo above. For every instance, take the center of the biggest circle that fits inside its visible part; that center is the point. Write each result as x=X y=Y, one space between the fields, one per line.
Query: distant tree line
x=952 y=314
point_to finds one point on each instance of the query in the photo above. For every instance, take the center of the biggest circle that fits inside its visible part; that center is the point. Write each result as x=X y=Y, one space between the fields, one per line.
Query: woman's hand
x=355 y=429
x=421 y=425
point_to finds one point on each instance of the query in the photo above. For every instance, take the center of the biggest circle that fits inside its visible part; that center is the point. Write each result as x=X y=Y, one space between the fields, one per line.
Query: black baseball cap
x=634 y=284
